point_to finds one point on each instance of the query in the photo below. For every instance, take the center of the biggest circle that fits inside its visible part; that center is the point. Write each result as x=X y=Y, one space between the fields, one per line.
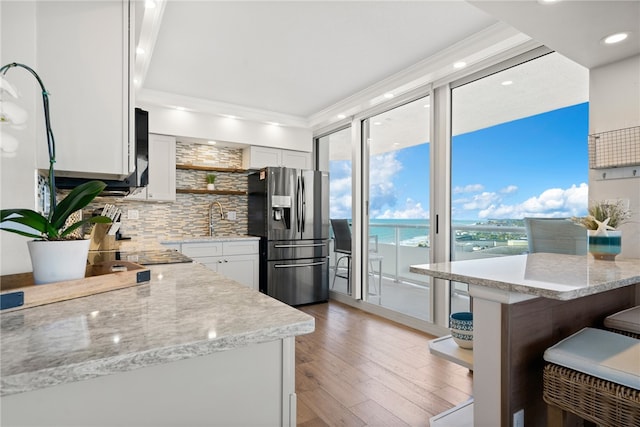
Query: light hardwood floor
x=358 y=369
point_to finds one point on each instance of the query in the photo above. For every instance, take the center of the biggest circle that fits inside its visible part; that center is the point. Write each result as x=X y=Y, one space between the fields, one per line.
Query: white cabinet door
x=237 y=260
x=162 y=170
x=255 y=157
x=296 y=159
x=84 y=59
x=241 y=268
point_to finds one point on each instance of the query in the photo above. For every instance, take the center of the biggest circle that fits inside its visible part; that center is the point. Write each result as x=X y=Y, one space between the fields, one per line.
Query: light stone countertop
x=556 y=276
x=185 y=311
x=204 y=239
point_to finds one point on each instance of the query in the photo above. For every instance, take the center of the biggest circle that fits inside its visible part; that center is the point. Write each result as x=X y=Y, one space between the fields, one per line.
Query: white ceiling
x=574 y=28
x=297 y=59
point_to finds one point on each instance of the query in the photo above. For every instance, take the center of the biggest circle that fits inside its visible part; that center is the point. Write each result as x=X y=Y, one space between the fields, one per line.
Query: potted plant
x=602 y=222
x=211 y=179
x=55 y=256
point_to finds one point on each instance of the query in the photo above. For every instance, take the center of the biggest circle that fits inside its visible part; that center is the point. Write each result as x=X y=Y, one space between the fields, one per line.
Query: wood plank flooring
x=358 y=369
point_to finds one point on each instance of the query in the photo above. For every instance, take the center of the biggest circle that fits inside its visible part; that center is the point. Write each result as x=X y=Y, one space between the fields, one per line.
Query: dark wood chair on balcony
x=342 y=245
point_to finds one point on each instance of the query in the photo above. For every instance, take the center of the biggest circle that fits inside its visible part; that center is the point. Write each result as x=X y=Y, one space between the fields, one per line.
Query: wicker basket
x=591 y=398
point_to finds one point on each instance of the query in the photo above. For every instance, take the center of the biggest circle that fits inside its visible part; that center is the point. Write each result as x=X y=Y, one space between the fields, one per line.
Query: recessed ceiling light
x=212 y=142
x=150 y=4
x=615 y=38
x=274 y=123
x=506 y=83
x=388 y=95
x=140 y=51
x=427 y=105
x=180 y=108
x=459 y=64
x=342 y=116
x=231 y=117
x=377 y=123
x=395 y=144
x=548 y=1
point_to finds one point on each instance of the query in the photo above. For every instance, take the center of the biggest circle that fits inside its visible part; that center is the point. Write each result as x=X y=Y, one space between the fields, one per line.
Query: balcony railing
x=403 y=245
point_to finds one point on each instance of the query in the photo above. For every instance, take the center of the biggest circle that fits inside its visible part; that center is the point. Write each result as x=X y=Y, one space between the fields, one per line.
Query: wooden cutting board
x=18 y=291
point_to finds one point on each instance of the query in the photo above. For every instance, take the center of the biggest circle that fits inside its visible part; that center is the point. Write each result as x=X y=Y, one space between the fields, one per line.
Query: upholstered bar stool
x=594 y=374
x=625 y=322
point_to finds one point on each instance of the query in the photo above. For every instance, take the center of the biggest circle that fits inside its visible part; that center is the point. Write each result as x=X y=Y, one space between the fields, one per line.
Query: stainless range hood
x=138 y=179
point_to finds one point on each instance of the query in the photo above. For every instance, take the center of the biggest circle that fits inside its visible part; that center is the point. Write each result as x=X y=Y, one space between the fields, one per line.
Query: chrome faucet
x=211 y=215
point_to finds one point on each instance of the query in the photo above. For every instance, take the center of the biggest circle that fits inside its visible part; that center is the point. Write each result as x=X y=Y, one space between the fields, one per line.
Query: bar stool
x=626 y=322
x=594 y=374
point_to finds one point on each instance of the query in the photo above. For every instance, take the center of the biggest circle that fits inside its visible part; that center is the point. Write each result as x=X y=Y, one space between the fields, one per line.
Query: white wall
x=614 y=103
x=17 y=174
x=169 y=121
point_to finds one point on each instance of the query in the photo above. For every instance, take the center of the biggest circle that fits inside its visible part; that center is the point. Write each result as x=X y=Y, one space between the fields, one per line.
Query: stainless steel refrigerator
x=289 y=211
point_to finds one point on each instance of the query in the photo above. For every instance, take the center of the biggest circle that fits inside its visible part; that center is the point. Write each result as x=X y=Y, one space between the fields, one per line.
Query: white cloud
x=554 y=202
x=471 y=188
x=509 y=189
x=482 y=201
x=382 y=191
x=411 y=210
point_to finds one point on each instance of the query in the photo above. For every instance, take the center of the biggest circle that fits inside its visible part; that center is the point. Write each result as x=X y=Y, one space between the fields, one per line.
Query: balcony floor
x=404 y=297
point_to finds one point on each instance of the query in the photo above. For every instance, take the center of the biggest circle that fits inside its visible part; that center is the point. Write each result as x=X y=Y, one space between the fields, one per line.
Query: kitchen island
x=190 y=347
x=522 y=305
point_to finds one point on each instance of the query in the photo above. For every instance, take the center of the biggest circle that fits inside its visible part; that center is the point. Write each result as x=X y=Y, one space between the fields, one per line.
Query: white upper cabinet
x=84 y=58
x=162 y=170
x=255 y=157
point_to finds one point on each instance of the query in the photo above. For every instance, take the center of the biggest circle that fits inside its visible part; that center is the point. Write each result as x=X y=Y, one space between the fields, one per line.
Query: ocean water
x=411 y=232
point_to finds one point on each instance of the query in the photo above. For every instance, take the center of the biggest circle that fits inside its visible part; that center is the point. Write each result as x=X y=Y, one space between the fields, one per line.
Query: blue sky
x=536 y=166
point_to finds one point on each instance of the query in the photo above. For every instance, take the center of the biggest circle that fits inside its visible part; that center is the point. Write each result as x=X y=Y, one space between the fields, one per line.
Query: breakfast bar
x=189 y=347
x=522 y=305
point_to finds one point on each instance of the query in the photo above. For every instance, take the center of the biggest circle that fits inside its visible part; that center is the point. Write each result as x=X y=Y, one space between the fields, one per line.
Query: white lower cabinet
x=237 y=260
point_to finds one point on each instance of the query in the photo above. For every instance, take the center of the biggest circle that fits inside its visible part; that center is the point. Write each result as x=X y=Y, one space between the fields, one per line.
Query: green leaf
x=78 y=198
x=28 y=217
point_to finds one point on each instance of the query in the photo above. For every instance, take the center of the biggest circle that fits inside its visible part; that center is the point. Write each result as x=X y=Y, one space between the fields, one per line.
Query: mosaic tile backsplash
x=188 y=216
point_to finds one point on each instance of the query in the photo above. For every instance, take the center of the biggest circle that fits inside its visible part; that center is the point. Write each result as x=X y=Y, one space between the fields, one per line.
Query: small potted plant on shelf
x=211 y=179
x=55 y=255
x=602 y=222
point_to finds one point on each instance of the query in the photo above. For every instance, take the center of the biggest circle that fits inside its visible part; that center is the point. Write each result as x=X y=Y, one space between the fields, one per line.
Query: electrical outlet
x=231 y=215
x=518 y=418
x=132 y=214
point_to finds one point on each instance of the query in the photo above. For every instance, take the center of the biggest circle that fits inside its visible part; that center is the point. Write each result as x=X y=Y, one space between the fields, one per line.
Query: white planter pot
x=56 y=261
x=211 y=187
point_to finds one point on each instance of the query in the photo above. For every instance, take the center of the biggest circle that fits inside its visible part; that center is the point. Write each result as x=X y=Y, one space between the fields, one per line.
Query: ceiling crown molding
x=172 y=100
x=475 y=49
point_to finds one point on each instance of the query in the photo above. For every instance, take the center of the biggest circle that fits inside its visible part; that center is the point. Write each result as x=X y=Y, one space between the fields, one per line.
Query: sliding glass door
x=519 y=149
x=397 y=226
x=334 y=151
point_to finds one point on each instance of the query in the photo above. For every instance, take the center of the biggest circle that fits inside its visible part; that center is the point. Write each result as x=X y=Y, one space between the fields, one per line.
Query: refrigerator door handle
x=304 y=204
x=310 y=264
x=310 y=245
x=298 y=206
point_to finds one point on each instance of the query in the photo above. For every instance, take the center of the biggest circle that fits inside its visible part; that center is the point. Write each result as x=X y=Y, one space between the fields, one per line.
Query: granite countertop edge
x=527 y=289
x=48 y=377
